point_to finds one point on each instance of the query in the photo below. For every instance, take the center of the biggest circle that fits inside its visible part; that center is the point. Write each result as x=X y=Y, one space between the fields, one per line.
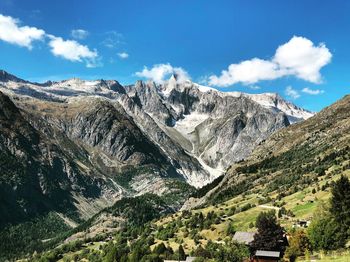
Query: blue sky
x=300 y=49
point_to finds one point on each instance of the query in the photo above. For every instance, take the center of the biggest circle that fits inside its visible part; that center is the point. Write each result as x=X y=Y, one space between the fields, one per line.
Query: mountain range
x=77 y=146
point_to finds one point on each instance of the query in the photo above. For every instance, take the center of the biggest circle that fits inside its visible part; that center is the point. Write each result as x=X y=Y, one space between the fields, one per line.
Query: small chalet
x=266 y=256
x=301 y=223
x=188 y=259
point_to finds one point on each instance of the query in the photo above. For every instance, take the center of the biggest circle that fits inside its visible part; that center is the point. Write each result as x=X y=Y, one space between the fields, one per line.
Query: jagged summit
x=173 y=77
x=112 y=89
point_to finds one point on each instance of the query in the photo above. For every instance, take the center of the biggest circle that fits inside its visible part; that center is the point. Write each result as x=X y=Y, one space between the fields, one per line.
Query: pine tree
x=340 y=204
x=270 y=235
x=160 y=249
x=182 y=255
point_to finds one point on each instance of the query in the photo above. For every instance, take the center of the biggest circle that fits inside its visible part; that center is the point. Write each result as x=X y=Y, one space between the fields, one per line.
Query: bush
x=324 y=233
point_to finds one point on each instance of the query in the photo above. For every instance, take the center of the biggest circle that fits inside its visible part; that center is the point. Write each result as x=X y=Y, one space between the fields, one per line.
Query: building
x=266 y=256
x=188 y=259
x=301 y=223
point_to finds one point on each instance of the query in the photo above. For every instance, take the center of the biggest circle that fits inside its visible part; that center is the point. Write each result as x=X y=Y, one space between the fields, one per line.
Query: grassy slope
x=299 y=203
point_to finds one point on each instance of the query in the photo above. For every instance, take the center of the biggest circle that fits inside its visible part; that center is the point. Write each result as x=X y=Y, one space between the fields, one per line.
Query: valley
x=155 y=158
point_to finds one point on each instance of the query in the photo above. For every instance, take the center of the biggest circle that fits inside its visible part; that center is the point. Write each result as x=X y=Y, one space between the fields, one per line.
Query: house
x=266 y=256
x=244 y=237
x=301 y=223
x=188 y=259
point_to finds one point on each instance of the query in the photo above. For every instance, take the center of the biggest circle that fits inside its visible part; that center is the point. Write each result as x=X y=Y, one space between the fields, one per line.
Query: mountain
x=200 y=130
x=135 y=137
x=214 y=127
x=74 y=147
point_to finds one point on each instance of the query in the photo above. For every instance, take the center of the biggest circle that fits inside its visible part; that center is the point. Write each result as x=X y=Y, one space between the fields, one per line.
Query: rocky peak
x=173 y=78
x=115 y=86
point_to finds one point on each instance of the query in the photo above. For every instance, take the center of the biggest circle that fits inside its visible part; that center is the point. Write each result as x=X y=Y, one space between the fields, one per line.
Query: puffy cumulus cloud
x=247 y=72
x=123 y=55
x=298 y=57
x=291 y=92
x=12 y=32
x=161 y=72
x=312 y=91
x=79 y=34
x=73 y=51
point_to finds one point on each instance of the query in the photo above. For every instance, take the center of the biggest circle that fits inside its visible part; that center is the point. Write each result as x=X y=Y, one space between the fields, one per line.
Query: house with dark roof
x=266 y=256
x=188 y=259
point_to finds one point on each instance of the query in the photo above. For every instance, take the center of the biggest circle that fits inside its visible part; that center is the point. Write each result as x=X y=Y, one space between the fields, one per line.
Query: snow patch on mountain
x=187 y=125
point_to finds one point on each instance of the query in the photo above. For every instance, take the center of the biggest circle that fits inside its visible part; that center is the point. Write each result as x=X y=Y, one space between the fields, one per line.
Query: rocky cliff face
x=80 y=145
x=213 y=127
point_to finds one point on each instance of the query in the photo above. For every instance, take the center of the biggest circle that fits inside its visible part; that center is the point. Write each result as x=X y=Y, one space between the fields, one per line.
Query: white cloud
x=311 y=91
x=298 y=57
x=123 y=55
x=161 y=72
x=73 y=51
x=292 y=92
x=247 y=72
x=11 y=32
x=79 y=34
